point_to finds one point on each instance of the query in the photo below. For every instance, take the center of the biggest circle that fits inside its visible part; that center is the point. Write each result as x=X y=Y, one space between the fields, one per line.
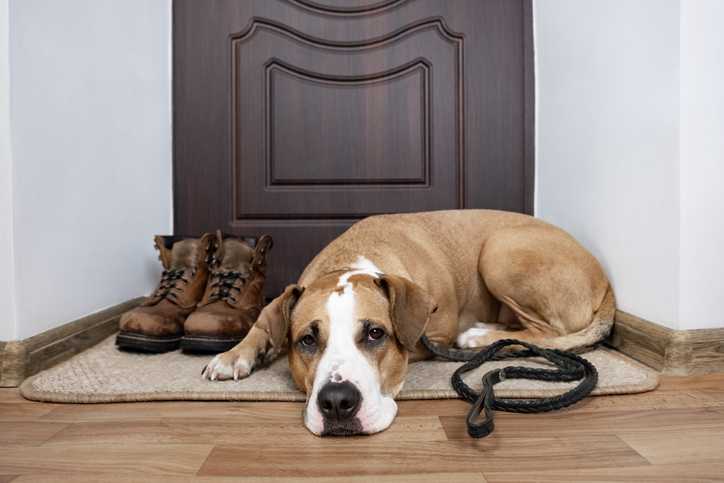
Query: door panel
x=342 y=122
x=297 y=118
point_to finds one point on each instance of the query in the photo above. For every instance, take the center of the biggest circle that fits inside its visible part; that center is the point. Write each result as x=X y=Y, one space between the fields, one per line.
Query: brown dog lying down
x=355 y=318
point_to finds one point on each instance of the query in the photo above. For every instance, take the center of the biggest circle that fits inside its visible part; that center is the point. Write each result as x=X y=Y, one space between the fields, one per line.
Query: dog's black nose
x=339 y=400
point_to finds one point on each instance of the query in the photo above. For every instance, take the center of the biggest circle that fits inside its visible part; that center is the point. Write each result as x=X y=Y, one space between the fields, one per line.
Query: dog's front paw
x=227 y=365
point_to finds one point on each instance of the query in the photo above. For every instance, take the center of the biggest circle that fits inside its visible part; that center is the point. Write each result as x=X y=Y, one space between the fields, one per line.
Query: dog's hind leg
x=577 y=342
x=556 y=289
x=534 y=331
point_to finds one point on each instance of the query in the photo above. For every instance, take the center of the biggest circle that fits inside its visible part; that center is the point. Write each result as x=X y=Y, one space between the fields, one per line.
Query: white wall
x=702 y=164
x=631 y=147
x=90 y=121
x=608 y=141
x=630 y=152
x=7 y=276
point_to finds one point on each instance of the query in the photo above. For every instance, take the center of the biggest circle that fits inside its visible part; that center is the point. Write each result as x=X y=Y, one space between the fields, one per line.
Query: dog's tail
x=592 y=336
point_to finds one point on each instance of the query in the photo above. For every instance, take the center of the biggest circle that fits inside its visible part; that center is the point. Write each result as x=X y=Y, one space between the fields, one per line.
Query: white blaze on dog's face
x=345 y=352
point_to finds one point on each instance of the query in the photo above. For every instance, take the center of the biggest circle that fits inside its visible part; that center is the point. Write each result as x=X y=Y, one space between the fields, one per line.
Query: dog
x=461 y=277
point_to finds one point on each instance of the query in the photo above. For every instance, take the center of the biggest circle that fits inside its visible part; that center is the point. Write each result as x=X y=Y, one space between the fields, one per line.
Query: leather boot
x=157 y=324
x=234 y=295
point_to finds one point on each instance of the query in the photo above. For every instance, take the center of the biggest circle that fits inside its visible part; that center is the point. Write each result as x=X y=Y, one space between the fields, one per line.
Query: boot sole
x=200 y=343
x=147 y=343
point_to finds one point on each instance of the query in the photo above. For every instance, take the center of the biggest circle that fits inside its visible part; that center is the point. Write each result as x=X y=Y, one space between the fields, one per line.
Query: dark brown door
x=297 y=118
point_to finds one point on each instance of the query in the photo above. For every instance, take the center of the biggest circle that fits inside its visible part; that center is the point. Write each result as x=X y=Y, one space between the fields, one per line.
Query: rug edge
x=29 y=392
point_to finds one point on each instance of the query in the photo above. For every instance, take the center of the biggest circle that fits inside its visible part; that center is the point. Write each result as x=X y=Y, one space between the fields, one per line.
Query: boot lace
x=225 y=284
x=169 y=283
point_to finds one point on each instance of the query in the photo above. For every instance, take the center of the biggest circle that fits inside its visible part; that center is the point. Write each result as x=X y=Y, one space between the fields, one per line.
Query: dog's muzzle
x=339 y=403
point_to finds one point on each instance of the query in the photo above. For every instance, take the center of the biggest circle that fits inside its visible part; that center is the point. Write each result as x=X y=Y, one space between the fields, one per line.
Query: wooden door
x=297 y=118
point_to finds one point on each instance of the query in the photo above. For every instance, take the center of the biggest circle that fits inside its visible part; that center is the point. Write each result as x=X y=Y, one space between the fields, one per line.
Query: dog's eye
x=307 y=340
x=376 y=334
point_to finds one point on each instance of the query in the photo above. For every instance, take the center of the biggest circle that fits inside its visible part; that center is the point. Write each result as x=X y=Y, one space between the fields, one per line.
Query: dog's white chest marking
x=343 y=361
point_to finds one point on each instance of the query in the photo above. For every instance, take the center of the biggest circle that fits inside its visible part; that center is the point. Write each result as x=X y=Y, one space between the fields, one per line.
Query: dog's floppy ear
x=410 y=308
x=275 y=318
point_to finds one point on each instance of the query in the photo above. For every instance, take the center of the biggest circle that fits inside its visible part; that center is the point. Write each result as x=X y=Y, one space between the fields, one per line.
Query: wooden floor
x=675 y=433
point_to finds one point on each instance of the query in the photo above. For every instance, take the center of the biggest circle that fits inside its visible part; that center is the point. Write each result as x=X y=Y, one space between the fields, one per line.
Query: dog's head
x=349 y=336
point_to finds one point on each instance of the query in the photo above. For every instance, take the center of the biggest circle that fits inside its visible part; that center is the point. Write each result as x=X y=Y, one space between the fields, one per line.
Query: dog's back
x=474 y=261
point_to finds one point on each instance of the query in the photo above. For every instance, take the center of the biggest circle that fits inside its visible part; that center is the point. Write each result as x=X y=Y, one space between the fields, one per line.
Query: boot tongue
x=184 y=254
x=236 y=256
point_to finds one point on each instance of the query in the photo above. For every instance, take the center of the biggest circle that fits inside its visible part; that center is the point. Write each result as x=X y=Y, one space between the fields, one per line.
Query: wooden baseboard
x=674 y=352
x=20 y=359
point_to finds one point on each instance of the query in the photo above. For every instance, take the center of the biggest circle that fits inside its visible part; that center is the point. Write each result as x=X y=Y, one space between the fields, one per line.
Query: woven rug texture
x=105 y=374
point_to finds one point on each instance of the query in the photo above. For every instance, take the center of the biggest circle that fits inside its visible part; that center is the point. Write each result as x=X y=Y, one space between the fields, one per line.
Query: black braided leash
x=572 y=367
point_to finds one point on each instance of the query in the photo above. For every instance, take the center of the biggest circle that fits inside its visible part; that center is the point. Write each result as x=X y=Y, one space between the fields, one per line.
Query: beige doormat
x=105 y=374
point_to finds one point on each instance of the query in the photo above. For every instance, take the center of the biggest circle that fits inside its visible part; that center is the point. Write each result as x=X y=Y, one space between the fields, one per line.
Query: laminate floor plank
x=680 y=447
x=700 y=381
x=489 y=454
x=648 y=401
x=413 y=478
x=643 y=474
x=432 y=407
x=717 y=393
x=109 y=458
x=670 y=434
x=227 y=411
x=15 y=412
x=28 y=433
x=194 y=431
x=666 y=421
x=12 y=395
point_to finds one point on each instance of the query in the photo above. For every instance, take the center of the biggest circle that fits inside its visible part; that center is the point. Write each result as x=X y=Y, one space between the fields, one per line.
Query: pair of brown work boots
x=210 y=294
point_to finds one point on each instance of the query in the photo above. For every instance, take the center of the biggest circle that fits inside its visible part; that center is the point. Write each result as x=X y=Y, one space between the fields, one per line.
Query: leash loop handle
x=484 y=402
x=572 y=367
